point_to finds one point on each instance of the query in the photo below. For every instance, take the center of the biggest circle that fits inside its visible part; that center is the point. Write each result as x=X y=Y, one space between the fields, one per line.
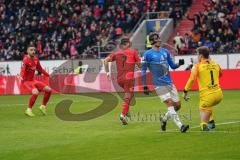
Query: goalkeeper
x=158 y=60
x=207 y=72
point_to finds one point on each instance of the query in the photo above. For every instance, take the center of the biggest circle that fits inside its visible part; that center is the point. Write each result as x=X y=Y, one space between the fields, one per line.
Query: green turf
x=24 y=138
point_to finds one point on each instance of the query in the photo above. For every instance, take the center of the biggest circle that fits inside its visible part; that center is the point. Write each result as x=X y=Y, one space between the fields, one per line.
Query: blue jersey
x=158 y=63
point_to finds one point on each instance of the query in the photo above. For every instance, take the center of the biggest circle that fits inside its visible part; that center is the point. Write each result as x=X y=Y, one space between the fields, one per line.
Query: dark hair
x=30 y=45
x=153 y=38
x=203 y=51
x=124 y=41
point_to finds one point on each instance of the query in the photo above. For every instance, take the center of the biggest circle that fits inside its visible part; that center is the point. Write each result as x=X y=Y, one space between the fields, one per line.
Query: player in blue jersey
x=158 y=60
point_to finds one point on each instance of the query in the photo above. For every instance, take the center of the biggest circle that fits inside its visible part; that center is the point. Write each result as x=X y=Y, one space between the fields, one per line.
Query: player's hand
x=181 y=62
x=109 y=76
x=146 y=90
x=185 y=95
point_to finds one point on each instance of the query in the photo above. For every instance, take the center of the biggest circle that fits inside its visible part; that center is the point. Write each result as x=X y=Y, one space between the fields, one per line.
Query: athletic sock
x=167 y=116
x=211 y=117
x=174 y=116
x=32 y=100
x=125 y=108
x=46 y=98
x=203 y=124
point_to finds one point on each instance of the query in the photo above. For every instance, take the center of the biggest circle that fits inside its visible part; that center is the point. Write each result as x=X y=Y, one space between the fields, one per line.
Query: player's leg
x=205 y=116
x=32 y=100
x=172 y=114
x=175 y=98
x=166 y=97
x=47 y=93
x=211 y=123
x=205 y=108
x=218 y=98
x=128 y=95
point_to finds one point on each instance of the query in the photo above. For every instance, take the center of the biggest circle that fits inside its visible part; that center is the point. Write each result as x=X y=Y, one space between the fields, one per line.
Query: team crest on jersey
x=162 y=58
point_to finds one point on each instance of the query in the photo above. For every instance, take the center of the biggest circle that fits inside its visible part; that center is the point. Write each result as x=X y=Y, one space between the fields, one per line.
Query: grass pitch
x=103 y=138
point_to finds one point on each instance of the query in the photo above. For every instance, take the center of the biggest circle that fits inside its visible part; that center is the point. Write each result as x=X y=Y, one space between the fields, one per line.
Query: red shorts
x=127 y=85
x=30 y=85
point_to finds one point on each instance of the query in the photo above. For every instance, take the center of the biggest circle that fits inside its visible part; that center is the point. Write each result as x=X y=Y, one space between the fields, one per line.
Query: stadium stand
x=64 y=29
x=217 y=27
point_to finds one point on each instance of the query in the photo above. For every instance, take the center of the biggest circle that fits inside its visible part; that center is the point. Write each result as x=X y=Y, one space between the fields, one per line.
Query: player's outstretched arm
x=190 y=82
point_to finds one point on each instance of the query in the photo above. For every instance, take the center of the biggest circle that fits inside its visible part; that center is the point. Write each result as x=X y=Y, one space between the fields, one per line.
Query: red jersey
x=125 y=61
x=29 y=67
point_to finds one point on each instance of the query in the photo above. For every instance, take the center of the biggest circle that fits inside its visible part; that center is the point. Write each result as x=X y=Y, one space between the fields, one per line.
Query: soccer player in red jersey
x=30 y=65
x=126 y=59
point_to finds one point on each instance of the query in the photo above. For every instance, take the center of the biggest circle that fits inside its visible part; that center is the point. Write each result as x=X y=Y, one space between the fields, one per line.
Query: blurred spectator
x=63 y=29
x=178 y=42
x=218 y=27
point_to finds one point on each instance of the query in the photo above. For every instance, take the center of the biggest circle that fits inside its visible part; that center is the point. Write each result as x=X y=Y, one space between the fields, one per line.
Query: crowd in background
x=64 y=29
x=218 y=27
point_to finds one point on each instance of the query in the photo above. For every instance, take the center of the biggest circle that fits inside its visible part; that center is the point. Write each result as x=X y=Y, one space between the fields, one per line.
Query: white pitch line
x=218 y=124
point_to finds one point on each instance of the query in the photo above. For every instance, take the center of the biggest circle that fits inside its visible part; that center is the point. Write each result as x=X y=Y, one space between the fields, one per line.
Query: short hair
x=31 y=45
x=204 y=51
x=124 y=41
x=153 y=38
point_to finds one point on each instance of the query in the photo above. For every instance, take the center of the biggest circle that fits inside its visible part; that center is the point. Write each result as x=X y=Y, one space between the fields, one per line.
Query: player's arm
x=172 y=64
x=40 y=69
x=144 y=73
x=110 y=58
x=23 y=69
x=220 y=71
x=137 y=60
x=191 y=79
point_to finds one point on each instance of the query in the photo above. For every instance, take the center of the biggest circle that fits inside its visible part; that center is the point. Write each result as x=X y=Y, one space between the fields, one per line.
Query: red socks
x=126 y=102
x=46 y=98
x=32 y=100
x=125 y=108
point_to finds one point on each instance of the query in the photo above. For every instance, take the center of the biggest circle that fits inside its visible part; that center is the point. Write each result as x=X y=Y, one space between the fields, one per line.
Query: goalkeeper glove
x=185 y=95
x=181 y=62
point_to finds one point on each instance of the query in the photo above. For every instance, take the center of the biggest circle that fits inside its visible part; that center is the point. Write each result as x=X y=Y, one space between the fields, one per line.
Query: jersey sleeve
x=220 y=71
x=39 y=68
x=193 y=76
x=137 y=58
x=170 y=61
x=112 y=57
x=145 y=62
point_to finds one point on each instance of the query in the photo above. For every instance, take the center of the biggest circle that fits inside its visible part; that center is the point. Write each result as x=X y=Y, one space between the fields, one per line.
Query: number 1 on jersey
x=212 y=78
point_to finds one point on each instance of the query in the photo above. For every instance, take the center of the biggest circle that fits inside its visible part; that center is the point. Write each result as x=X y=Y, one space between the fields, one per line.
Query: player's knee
x=35 y=91
x=47 y=89
x=169 y=102
x=177 y=106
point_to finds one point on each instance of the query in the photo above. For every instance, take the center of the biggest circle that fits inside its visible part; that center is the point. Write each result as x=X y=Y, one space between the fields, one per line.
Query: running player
x=158 y=60
x=126 y=59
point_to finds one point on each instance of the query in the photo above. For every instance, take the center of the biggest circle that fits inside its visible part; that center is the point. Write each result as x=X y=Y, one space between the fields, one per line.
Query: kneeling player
x=30 y=64
x=126 y=59
x=207 y=72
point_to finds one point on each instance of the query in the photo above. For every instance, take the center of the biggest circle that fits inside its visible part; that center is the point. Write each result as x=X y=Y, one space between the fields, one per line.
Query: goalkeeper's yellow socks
x=204 y=126
x=211 y=117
